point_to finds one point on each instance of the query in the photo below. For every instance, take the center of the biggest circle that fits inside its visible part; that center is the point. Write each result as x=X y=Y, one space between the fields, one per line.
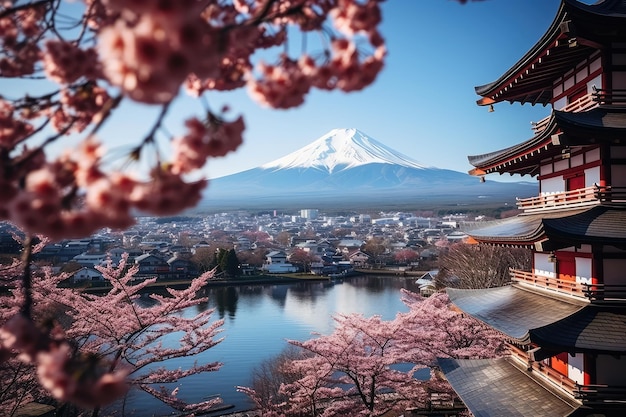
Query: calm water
x=258 y=320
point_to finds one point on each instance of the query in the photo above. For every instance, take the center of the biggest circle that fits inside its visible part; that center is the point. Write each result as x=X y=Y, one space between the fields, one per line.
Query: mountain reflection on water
x=258 y=319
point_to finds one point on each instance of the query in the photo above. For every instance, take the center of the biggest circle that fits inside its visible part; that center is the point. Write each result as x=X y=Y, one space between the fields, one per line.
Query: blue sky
x=423 y=103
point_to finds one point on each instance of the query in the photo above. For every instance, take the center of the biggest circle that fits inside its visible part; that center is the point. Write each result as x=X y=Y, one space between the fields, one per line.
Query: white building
x=309 y=214
x=276 y=263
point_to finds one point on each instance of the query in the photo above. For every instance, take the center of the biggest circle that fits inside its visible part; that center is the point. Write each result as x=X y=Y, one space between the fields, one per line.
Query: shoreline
x=264 y=279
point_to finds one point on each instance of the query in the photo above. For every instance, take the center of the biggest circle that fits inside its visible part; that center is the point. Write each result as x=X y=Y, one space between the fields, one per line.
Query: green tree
x=231 y=263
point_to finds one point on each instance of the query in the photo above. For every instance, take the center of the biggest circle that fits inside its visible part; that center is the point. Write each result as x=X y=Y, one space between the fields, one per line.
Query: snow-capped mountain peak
x=341 y=149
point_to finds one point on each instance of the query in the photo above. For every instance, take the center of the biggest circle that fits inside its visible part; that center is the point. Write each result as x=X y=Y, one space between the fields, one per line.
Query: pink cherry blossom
x=76 y=69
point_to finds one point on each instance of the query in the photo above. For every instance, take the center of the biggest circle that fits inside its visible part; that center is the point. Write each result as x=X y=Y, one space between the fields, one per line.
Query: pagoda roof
x=594 y=329
x=603 y=225
x=600 y=124
x=576 y=33
x=513 y=310
x=496 y=387
x=554 y=324
x=521 y=230
x=555 y=229
x=604 y=123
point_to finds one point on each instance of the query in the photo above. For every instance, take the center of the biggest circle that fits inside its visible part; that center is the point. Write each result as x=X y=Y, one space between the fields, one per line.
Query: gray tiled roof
x=497 y=388
x=601 y=224
x=600 y=124
x=595 y=329
x=512 y=310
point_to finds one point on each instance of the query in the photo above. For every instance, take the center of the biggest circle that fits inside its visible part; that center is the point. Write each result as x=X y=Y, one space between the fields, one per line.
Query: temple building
x=565 y=318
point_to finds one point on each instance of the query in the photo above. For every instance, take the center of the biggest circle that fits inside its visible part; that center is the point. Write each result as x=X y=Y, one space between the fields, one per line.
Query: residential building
x=86 y=274
x=565 y=318
x=276 y=263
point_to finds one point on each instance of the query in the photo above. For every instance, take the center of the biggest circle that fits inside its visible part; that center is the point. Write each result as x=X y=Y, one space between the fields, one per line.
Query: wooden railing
x=580 y=197
x=574 y=198
x=548 y=373
x=605 y=293
x=564 y=284
x=611 y=194
x=591 y=394
x=600 y=394
x=609 y=97
x=586 y=102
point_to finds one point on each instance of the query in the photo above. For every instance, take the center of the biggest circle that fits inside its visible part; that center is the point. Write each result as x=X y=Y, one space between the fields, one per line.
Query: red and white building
x=565 y=318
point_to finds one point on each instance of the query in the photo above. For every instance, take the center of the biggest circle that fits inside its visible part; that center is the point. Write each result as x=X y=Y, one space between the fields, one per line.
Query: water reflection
x=225 y=299
x=259 y=320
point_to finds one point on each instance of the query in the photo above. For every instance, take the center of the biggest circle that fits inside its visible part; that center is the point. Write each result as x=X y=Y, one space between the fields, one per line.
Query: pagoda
x=565 y=318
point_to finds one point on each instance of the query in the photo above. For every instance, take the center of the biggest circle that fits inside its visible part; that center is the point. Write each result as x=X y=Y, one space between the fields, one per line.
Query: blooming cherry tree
x=355 y=370
x=89 y=60
x=77 y=63
x=88 y=350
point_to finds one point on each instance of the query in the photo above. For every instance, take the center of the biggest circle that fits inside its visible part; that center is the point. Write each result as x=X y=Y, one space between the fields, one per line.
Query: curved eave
x=530 y=79
x=602 y=225
x=521 y=158
x=512 y=310
x=593 y=329
x=521 y=230
x=600 y=124
x=519 y=75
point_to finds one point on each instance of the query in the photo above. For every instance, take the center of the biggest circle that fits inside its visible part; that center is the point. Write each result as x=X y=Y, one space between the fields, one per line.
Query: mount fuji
x=346 y=168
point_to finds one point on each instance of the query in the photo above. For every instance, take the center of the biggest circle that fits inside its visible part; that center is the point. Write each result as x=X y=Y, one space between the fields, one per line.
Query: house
x=181 y=268
x=276 y=263
x=115 y=254
x=565 y=318
x=358 y=257
x=426 y=283
x=151 y=264
x=90 y=259
x=86 y=274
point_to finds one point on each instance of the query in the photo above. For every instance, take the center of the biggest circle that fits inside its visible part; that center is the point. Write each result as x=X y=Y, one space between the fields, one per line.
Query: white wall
x=575 y=367
x=583 y=270
x=552 y=185
x=592 y=176
x=542 y=266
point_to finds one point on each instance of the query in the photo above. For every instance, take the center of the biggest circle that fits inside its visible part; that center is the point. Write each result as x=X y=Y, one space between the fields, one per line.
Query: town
x=250 y=244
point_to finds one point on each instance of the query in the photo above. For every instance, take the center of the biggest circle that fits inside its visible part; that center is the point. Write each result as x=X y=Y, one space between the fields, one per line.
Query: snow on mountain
x=342 y=149
x=347 y=167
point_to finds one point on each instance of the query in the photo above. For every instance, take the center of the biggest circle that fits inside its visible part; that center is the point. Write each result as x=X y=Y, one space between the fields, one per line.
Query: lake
x=258 y=320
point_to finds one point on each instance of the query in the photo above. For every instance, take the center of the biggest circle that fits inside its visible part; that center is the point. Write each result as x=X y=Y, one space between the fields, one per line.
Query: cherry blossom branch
x=27 y=286
x=13 y=9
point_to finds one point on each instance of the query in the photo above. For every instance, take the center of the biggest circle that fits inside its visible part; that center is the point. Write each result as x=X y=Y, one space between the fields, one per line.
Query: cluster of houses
x=165 y=248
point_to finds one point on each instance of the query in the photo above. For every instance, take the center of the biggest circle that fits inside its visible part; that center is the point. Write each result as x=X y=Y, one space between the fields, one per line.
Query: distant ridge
x=346 y=167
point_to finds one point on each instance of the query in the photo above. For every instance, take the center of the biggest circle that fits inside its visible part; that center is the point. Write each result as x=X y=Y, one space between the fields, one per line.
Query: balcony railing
x=567 y=285
x=600 y=394
x=575 y=198
x=609 y=97
x=586 y=102
x=564 y=284
x=580 y=197
x=605 y=293
x=556 y=378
